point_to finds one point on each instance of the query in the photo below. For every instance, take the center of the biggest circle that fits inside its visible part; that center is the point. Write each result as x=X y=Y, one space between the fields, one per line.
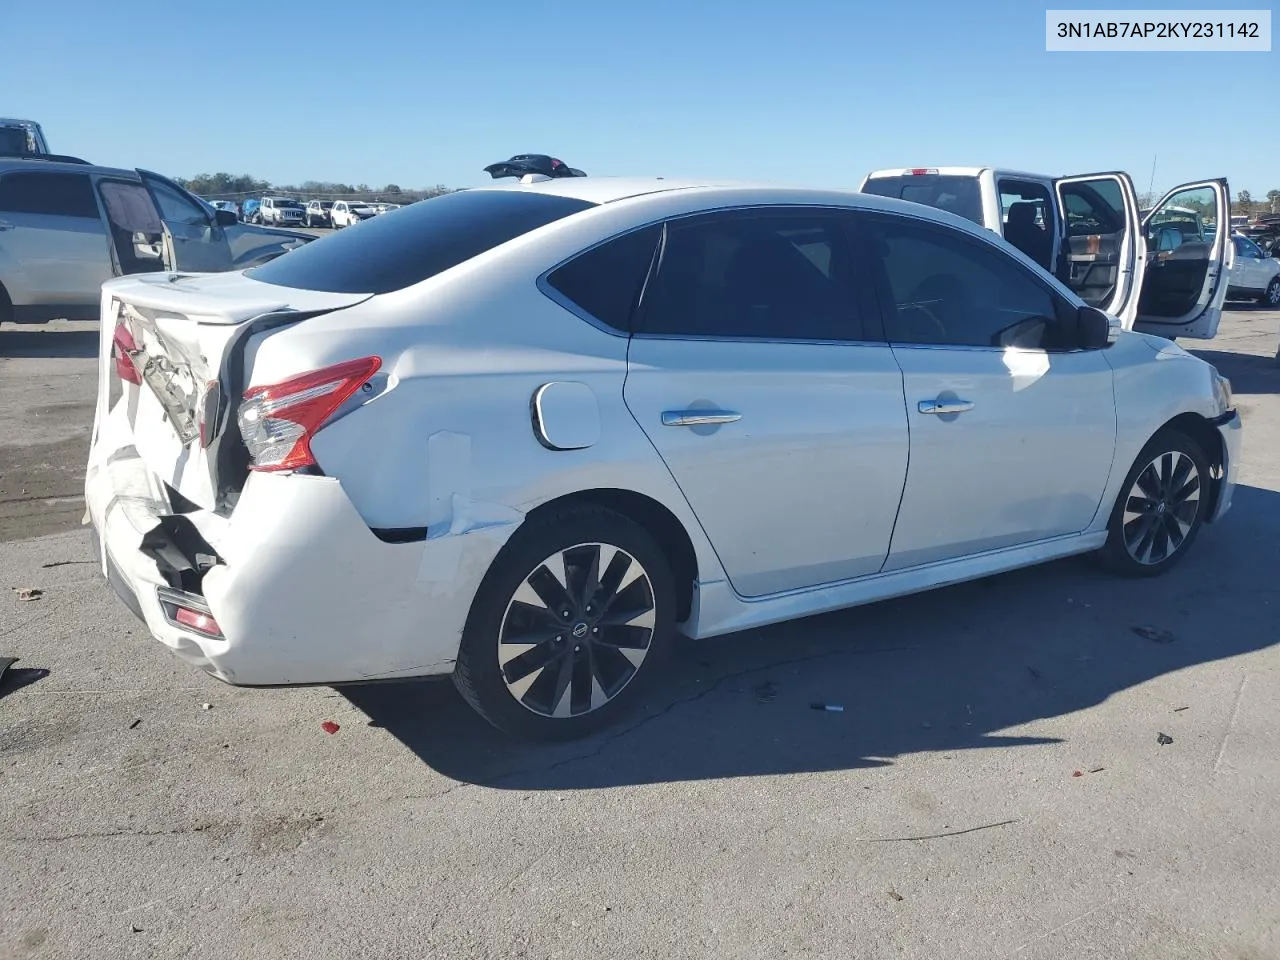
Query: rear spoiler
x=523 y=164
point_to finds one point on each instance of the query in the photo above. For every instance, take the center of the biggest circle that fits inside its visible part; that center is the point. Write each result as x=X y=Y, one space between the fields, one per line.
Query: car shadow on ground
x=72 y=344
x=956 y=669
x=1247 y=372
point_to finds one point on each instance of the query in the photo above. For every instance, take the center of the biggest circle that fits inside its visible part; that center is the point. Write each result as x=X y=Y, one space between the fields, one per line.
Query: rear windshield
x=424 y=239
x=958 y=195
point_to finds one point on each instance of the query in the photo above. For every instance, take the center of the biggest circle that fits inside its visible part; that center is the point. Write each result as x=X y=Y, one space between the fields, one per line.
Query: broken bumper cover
x=303 y=591
x=1232 y=432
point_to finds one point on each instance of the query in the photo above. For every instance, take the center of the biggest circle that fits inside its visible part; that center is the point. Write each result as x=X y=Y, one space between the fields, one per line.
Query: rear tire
x=573 y=620
x=1271 y=296
x=1160 y=508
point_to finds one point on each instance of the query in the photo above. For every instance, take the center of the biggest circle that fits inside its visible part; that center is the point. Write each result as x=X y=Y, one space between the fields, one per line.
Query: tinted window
x=605 y=281
x=772 y=276
x=57 y=194
x=176 y=207
x=1093 y=208
x=945 y=288
x=424 y=239
x=958 y=195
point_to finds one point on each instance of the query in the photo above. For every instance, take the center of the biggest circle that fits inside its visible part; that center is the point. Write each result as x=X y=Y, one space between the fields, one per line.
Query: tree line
x=229 y=186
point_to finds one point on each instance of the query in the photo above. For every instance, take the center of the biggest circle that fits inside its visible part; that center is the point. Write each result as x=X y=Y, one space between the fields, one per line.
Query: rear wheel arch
x=657 y=519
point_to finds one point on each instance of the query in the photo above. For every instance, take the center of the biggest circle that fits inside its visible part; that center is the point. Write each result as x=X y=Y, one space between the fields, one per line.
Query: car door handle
x=698 y=418
x=944 y=406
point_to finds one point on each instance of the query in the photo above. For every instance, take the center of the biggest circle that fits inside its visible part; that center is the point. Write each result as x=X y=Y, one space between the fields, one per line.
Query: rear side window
x=782 y=275
x=407 y=246
x=605 y=281
x=958 y=195
x=53 y=194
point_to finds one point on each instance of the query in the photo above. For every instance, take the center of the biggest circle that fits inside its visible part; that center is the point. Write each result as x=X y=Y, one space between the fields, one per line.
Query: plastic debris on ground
x=330 y=727
x=28 y=593
x=1163 y=739
x=1154 y=634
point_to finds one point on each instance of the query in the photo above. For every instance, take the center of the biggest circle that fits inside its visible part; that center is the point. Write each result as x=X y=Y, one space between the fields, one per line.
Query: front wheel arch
x=1207 y=436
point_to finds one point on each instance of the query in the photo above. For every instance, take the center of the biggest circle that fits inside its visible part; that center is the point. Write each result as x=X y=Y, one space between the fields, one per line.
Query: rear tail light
x=922 y=171
x=278 y=421
x=122 y=349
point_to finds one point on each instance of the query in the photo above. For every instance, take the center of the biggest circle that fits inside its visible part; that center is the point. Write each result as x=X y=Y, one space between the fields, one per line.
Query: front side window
x=1093 y=208
x=605 y=281
x=51 y=194
x=176 y=207
x=780 y=275
x=948 y=289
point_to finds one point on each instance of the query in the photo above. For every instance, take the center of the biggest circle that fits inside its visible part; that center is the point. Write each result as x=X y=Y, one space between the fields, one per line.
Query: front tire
x=575 y=616
x=1271 y=296
x=1161 y=507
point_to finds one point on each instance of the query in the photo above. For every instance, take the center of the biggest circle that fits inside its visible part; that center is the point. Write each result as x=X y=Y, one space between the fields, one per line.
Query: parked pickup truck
x=1088 y=232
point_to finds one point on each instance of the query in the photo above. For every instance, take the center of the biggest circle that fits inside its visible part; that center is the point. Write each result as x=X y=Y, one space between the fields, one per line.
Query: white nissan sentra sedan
x=527 y=434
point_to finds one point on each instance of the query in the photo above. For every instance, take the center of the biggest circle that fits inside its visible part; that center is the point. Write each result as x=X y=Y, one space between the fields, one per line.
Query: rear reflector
x=197 y=621
x=278 y=421
x=122 y=349
x=189 y=611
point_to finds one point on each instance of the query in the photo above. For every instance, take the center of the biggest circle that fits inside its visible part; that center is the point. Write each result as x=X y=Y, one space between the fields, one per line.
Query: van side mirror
x=226 y=218
x=1093 y=329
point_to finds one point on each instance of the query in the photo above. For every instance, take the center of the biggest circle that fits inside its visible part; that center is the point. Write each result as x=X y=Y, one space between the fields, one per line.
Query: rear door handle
x=698 y=418
x=944 y=406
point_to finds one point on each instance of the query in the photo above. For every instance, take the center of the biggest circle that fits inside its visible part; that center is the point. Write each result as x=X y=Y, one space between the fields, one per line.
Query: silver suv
x=67 y=227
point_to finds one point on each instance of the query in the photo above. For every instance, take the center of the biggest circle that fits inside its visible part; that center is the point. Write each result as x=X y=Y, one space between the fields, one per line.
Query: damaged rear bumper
x=302 y=591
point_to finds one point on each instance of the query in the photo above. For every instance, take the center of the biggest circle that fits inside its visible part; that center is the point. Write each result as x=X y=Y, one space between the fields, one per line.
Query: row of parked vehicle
x=290 y=212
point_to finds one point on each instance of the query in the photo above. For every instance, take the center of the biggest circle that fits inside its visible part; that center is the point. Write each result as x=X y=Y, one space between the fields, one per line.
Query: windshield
x=391 y=253
x=958 y=195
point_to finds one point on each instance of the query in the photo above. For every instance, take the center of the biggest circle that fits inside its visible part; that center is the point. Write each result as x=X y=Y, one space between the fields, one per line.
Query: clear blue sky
x=813 y=92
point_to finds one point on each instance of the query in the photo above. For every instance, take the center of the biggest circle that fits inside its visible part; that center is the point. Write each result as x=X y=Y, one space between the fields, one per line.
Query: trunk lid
x=185 y=335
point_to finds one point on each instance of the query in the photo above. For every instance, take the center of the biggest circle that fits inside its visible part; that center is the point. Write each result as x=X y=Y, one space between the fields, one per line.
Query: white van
x=1088 y=232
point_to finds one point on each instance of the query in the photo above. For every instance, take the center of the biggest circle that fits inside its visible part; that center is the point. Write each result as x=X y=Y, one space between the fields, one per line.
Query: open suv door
x=1189 y=253
x=194 y=241
x=1102 y=254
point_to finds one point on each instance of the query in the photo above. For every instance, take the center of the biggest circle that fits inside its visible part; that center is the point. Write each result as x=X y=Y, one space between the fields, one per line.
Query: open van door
x=194 y=241
x=1101 y=253
x=1189 y=254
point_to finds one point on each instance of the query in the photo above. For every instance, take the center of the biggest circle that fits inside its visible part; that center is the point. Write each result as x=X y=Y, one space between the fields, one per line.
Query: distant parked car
x=385 y=207
x=282 y=212
x=318 y=213
x=225 y=205
x=1255 y=275
x=65 y=228
x=250 y=211
x=347 y=212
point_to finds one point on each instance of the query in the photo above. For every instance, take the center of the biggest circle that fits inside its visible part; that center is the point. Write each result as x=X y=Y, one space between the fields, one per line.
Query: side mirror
x=226 y=218
x=1093 y=329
